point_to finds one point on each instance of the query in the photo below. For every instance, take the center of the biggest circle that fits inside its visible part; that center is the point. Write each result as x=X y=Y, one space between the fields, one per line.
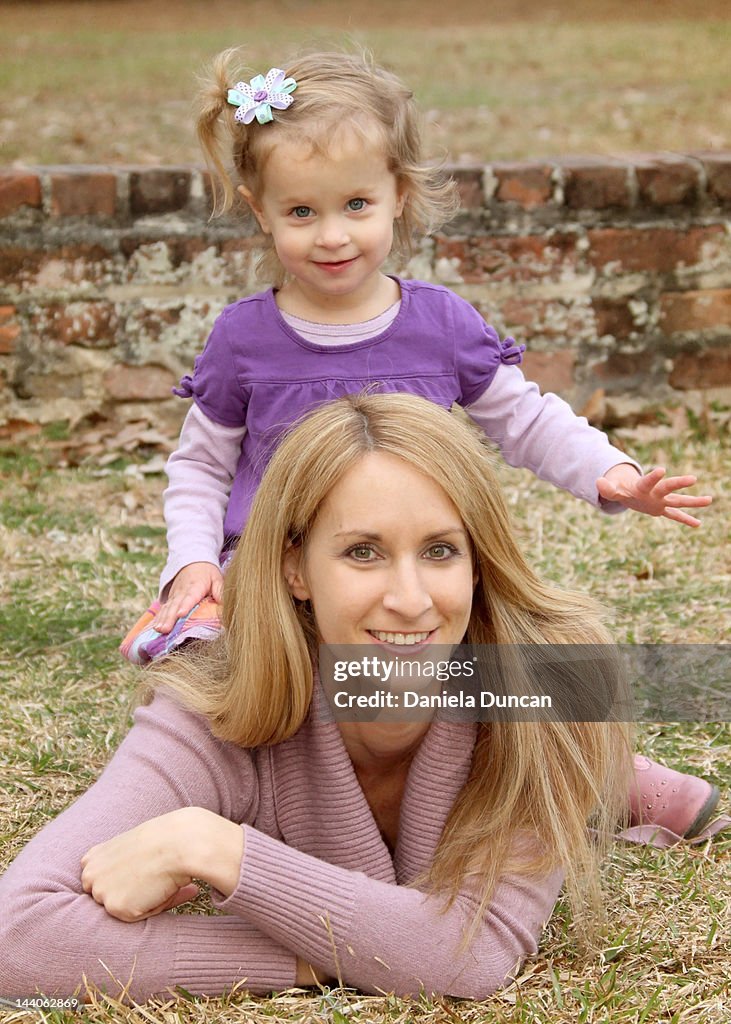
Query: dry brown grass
x=80 y=552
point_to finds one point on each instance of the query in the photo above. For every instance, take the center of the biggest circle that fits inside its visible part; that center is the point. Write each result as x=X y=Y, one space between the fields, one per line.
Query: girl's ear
x=401 y=200
x=256 y=209
x=294 y=572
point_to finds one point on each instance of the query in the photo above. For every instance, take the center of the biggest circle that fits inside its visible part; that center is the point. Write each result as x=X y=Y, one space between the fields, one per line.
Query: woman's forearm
x=209 y=847
x=379 y=936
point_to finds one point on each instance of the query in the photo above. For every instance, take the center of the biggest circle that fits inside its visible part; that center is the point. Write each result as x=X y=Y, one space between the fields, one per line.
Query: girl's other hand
x=654 y=493
x=193 y=583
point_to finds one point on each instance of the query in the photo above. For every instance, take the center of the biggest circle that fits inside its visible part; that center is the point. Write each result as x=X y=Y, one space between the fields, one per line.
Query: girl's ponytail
x=215 y=126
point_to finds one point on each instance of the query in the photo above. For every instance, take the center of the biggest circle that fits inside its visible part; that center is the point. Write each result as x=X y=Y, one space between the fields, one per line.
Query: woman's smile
x=412 y=640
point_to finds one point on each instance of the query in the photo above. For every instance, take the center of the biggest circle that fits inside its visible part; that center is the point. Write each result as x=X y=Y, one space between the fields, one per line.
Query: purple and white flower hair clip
x=256 y=98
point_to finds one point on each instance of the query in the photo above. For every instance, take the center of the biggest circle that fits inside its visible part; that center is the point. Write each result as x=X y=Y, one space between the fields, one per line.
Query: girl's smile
x=331 y=220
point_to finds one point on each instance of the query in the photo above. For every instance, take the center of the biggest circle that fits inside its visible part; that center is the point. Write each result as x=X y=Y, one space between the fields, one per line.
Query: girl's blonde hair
x=335 y=92
x=542 y=779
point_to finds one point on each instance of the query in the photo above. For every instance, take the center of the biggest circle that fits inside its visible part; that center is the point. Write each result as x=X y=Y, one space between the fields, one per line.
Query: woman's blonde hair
x=335 y=92
x=543 y=779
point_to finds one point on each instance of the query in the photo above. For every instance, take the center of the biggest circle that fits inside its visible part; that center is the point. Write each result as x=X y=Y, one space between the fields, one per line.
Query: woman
x=391 y=856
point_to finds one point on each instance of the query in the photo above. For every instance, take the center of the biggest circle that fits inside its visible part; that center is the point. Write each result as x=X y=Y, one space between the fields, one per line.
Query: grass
x=80 y=550
x=113 y=81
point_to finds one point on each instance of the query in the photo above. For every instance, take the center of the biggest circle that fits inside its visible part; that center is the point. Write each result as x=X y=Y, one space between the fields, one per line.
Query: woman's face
x=387 y=562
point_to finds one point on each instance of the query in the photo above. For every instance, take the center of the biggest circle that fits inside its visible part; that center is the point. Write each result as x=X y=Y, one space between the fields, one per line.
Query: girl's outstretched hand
x=654 y=493
x=193 y=583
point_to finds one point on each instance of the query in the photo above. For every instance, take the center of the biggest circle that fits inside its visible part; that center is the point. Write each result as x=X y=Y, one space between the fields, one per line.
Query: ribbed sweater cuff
x=221 y=952
x=297 y=900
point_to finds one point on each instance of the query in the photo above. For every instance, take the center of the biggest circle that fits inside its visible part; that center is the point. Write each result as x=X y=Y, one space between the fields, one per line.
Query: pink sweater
x=313 y=854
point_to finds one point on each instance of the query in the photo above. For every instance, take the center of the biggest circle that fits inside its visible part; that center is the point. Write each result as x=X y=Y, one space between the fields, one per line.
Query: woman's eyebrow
x=361 y=534
x=435 y=535
x=449 y=530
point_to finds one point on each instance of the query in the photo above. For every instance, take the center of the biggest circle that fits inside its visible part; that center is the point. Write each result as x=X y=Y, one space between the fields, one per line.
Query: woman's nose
x=407 y=593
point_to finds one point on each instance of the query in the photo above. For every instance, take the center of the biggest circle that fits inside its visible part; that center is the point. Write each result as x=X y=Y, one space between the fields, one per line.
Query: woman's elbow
x=27 y=960
x=36 y=944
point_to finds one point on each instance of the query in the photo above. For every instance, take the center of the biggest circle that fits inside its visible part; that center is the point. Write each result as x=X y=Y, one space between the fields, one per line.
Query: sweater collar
x=322 y=810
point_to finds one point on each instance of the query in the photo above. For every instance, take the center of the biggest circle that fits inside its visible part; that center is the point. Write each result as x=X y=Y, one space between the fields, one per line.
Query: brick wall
x=616 y=273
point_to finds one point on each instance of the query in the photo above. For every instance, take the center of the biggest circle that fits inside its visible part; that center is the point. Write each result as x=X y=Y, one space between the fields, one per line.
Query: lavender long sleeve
x=536 y=432
x=542 y=433
x=200 y=473
x=317 y=879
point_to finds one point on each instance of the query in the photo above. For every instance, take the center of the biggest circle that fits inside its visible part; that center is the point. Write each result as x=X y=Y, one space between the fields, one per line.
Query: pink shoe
x=680 y=803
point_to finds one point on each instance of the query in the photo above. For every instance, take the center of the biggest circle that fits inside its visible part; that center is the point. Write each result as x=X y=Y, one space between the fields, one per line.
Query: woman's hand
x=654 y=493
x=150 y=868
x=193 y=583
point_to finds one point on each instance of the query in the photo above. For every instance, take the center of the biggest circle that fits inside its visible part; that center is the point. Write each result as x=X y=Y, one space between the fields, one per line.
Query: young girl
x=327 y=155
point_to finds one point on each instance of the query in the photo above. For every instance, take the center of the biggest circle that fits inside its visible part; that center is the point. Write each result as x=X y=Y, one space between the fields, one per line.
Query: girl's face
x=388 y=560
x=331 y=220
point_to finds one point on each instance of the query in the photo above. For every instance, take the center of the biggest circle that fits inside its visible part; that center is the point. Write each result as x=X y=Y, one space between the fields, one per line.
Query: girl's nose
x=333 y=233
x=407 y=593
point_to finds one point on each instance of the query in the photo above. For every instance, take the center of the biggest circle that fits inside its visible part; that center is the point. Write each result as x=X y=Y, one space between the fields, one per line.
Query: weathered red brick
x=621 y=366
x=91 y=324
x=709 y=368
x=696 y=311
x=158 y=190
x=718 y=174
x=595 y=183
x=552 y=371
x=242 y=244
x=528 y=317
x=522 y=312
x=9 y=330
x=469 y=186
x=528 y=185
x=613 y=317
x=18 y=188
x=83 y=193
x=507 y=258
x=17 y=264
x=152 y=321
x=652 y=249
x=57 y=268
x=667 y=180
x=139 y=383
x=185 y=250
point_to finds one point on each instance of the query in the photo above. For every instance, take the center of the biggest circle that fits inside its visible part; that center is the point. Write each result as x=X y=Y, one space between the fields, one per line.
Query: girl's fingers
x=688 y=500
x=677 y=483
x=678 y=516
x=172 y=610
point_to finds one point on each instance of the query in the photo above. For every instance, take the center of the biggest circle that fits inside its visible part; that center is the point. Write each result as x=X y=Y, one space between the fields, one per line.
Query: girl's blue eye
x=356 y=205
x=302 y=211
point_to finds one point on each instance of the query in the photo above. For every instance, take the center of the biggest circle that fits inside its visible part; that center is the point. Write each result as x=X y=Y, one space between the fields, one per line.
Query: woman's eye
x=439 y=552
x=356 y=205
x=301 y=212
x=362 y=553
